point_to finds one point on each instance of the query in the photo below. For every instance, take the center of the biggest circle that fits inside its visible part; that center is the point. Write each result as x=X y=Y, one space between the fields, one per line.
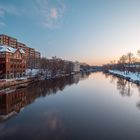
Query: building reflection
x=13 y=100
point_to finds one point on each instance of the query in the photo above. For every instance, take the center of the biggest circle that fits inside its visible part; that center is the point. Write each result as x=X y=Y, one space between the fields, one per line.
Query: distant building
x=68 y=66
x=84 y=67
x=12 y=62
x=76 y=66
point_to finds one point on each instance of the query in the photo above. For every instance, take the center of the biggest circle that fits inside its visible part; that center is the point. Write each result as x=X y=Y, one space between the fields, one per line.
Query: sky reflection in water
x=99 y=106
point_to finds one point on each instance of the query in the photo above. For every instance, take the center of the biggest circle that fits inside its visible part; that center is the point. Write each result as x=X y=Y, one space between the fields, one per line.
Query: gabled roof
x=5 y=48
x=21 y=50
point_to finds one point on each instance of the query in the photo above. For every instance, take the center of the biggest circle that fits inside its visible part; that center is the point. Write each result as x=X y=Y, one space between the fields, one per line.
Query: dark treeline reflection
x=124 y=87
x=13 y=100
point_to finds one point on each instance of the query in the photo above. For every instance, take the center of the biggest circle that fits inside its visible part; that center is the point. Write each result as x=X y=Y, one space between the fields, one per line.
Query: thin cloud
x=2 y=13
x=2 y=24
x=51 y=12
x=6 y=10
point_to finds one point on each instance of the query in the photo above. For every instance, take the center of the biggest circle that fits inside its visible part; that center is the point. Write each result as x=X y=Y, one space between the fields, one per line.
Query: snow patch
x=32 y=72
x=133 y=76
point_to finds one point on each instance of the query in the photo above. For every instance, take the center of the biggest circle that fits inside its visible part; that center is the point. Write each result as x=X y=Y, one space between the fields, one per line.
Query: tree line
x=127 y=63
x=55 y=66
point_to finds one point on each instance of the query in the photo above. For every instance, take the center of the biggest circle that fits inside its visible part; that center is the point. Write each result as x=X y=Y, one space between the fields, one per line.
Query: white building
x=76 y=66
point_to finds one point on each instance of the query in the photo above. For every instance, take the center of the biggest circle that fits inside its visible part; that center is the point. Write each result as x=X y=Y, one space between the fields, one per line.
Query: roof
x=5 y=48
x=21 y=51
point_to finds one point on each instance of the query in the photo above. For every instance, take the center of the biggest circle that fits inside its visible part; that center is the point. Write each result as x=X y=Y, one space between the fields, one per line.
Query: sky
x=91 y=31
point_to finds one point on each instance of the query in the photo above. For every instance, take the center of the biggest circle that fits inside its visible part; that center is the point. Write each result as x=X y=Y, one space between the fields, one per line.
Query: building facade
x=9 y=41
x=12 y=62
x=32 y=57
x=76 y=66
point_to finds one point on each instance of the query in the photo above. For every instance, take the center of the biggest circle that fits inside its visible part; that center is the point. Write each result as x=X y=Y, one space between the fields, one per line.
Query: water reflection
x=53 y=128
x=124 y=87
x=91 y=109
x=14 y=100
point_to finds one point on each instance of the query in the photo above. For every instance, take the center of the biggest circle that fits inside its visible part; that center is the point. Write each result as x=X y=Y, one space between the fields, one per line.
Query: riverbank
x=20 y=82
x=132 y=77
x=15 y=82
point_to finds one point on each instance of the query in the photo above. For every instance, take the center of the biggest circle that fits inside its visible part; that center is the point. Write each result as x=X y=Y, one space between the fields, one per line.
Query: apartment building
x=31 y=58
x=4 y=40
x=12 y=42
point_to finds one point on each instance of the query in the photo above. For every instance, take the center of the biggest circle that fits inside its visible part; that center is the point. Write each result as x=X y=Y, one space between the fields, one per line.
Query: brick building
x=32 y=57
x=6 y=40
x=12 y=62
x=26 y=50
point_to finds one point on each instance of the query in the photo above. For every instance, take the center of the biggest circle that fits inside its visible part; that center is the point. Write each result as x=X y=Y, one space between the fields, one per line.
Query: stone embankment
x=6 y=84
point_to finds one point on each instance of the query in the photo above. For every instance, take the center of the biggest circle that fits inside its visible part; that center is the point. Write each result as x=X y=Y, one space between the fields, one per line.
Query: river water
x=81 y=107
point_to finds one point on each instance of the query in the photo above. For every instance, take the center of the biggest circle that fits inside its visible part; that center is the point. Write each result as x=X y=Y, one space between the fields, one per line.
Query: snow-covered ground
x=32 y=72
x=29 y=73
x=132 y=76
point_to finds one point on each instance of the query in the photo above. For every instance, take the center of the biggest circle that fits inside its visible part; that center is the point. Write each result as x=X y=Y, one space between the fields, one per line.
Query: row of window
x=15 y=71
x=4 y=36
x=17 y=66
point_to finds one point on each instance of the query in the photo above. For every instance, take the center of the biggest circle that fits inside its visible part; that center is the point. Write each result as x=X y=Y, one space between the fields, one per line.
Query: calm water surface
x=83 y=107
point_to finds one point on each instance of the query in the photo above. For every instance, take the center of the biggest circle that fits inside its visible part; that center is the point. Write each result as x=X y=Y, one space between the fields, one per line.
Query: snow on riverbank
x=32 y=72
x=131 y=75
x=29 y=73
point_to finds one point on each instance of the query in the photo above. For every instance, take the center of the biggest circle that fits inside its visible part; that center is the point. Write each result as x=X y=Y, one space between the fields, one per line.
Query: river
x=81 y=107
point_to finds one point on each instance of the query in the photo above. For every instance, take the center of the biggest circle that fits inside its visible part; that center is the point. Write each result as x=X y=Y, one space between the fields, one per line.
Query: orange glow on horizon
x=99 y=62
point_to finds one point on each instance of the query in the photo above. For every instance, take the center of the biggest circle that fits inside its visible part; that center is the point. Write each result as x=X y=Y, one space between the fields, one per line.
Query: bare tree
x=122 y=61
x=129 y=55
x=134 y=61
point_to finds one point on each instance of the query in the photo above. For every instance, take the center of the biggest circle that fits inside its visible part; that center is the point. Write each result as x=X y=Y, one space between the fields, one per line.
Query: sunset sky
x=91 y=31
